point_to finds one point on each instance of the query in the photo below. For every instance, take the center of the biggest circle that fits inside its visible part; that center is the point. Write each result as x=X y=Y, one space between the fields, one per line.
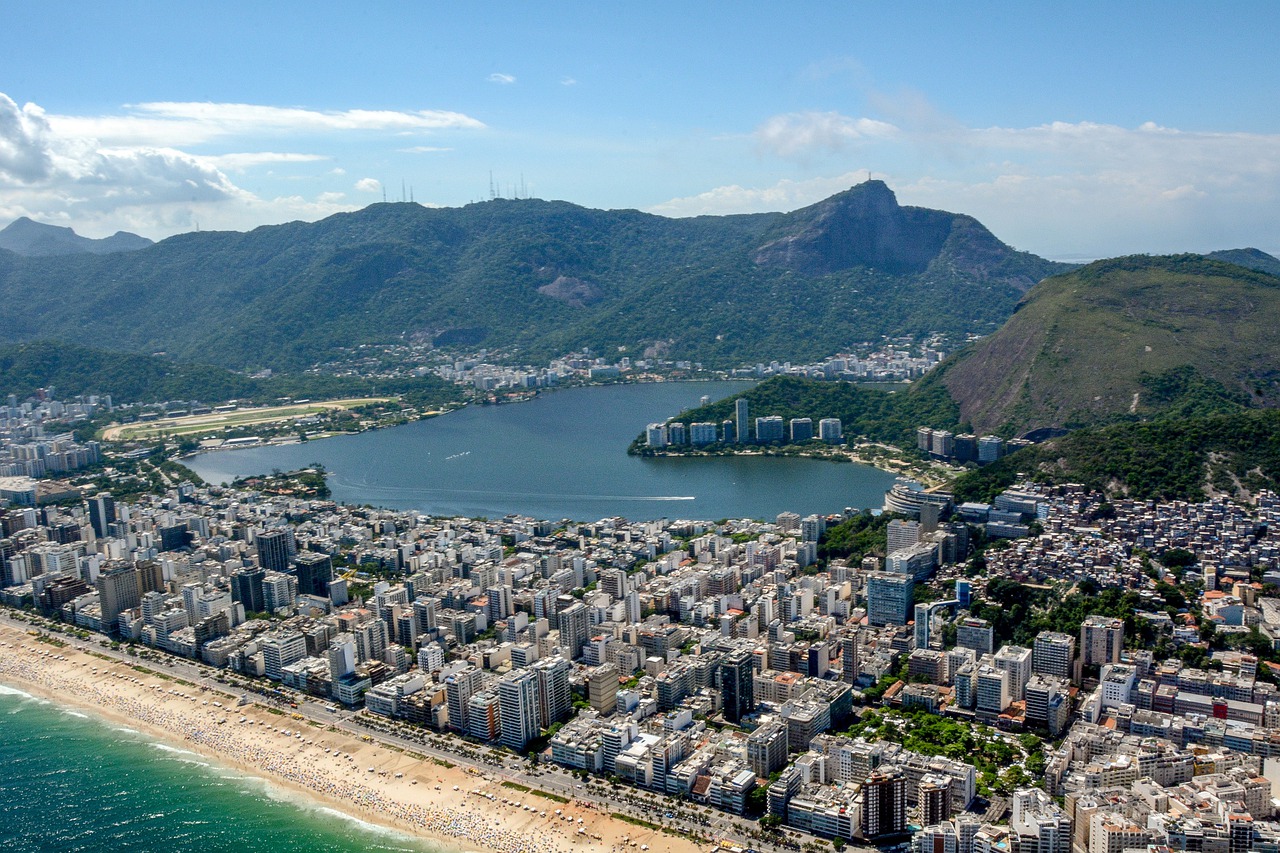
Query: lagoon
x=561 y=455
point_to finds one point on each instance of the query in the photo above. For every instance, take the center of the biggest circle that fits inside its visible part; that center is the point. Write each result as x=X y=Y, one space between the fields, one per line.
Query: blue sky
x=1082 y=130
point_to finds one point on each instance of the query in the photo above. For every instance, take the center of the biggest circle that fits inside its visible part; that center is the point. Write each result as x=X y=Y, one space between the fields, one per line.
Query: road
x=634 y=802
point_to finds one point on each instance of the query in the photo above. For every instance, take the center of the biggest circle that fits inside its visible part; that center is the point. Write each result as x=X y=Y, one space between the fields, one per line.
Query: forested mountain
x=70 y=370
x=1127 y=338
x=536 y=278
x=27 y=237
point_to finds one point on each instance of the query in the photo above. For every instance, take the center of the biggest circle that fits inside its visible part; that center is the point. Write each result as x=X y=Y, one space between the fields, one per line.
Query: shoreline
x=324 y=767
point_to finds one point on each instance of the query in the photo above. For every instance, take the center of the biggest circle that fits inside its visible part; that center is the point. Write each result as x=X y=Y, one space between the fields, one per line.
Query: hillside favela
x=539 y=430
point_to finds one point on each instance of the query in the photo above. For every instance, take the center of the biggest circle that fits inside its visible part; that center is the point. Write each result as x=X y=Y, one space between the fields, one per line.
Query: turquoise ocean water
x=71 y=782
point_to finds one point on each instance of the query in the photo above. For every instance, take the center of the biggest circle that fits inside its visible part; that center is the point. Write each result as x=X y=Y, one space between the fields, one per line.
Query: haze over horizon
x=1074 y=134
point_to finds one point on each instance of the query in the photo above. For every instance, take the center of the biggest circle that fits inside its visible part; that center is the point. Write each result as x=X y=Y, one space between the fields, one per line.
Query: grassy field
x=218 y=421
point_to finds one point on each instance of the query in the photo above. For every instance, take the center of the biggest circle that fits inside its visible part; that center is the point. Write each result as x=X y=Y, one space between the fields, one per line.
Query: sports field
x=218 y=421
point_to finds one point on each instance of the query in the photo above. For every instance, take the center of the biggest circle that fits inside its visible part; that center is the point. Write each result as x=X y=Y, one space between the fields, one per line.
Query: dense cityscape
x=875 y=694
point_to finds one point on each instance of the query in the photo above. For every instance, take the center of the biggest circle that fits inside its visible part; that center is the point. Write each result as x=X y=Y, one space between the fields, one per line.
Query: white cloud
x=801 y=135
x=785 y=195
x=501 y=79
x=568 y=81
x=179 y=123
x=369 y=185
x=241 y=162
x=1058 y=189
x=24 y=151
x=424 y=149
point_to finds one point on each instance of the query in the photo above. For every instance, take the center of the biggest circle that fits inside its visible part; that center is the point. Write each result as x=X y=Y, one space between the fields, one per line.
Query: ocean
x=73 y=782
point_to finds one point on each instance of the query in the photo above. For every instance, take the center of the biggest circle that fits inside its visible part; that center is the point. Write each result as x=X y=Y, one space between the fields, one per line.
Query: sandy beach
x=368 y=780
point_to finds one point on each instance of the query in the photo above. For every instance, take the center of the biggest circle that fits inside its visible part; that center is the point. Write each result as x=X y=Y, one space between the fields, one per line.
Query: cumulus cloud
x=1062 y=189
x=24 y=132
x=801 y=135
x=501 y=79
x=135 y=170
x=369 y=185
x=784 y=195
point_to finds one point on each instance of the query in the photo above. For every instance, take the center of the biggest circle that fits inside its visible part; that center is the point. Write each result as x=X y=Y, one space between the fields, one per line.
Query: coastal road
x=634 y=802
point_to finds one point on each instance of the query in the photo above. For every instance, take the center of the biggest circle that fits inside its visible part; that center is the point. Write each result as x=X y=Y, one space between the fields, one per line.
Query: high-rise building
x=922 y=627
x=118 y=590
x=484 y=716
x=830 y=430
x=884 y=803
x=991 y=689
x=737 y=684
x=703 y=432
x=990 y=448
x=574 y=623
x=976 y=634
x=459 y=687
x=246 y=588
x=102 y=513
x=315 y=572
x=934 y=796
x=770 y=428
x=274 y=547
x=1053 y=653
x=1017 y=661
x=602 y=688
x=342 y=656
x=801 y=429
x=656 y=435
x=281 y=649
x=889 y=598
x=518 y=707
x=1039 y=824
x=741 y=425
x=555 y=699
x=901 y=535
x=1101 y=640
x=372 y=637
x=278 y=591
x=850 y=657
x=767 y=748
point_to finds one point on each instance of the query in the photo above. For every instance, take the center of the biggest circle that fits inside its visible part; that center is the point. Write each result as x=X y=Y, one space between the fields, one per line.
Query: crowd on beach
x=341 y=780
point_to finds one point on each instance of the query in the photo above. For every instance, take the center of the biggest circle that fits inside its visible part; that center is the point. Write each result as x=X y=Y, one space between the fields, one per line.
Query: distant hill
x=72 y=370
x=1253 y=259
x=24 y=236
x=1132 y=337
x=534 y=278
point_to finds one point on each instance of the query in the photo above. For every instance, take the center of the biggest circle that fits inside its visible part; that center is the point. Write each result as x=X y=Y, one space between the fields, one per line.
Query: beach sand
x=449 y=805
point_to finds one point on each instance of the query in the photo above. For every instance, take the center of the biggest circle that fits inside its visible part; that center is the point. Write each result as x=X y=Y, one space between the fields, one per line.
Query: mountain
x=1126 y=338
x=534 y=279
x=71 y=370
x=24 y=236
x=1253 y=259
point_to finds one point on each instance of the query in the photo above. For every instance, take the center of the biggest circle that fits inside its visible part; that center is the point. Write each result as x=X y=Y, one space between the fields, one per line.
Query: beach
x=449 y=805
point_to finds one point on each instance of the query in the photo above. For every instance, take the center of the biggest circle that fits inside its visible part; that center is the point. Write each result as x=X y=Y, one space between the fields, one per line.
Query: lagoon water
x=73 y=783
x=561 y=455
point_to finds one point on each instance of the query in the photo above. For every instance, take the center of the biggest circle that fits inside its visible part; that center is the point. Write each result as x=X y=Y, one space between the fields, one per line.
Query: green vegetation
x=1003 y=763
x=1133 y=337
x=544 y=277
x=71 y=369
x=1236 y=453
x=854 y=538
